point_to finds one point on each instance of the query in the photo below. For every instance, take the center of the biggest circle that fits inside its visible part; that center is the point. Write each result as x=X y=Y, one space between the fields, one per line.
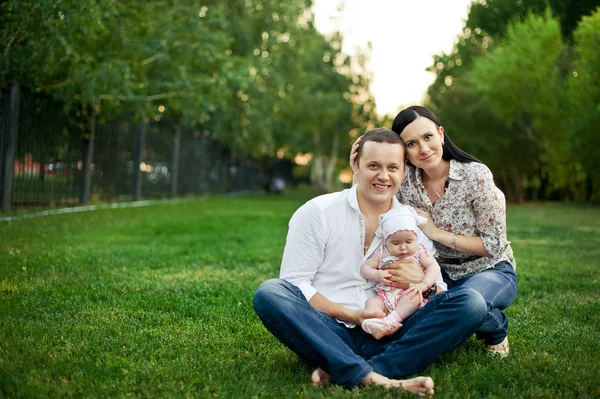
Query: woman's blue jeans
x=349 y=354
x=498 y=286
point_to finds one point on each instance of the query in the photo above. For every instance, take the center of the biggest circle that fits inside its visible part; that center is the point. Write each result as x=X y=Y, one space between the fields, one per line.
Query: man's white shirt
x=324 y=249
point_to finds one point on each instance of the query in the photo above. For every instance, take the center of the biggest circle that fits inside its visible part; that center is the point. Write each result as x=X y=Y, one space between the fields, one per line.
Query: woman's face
x=423 y=141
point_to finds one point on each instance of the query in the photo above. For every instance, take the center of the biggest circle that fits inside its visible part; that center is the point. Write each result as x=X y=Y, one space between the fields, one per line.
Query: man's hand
x=403 y=273
x=363 y=314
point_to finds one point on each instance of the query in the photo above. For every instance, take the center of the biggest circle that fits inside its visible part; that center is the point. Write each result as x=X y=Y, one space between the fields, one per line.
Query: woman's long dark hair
x=450 y=150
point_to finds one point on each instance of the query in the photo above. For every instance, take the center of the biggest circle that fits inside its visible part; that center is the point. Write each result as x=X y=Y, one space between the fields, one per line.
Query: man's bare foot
x=422 y=386
x=320 y=378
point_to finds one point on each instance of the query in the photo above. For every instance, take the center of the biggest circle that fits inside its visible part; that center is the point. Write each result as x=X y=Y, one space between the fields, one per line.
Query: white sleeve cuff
x=440 y=283
x=307 y=289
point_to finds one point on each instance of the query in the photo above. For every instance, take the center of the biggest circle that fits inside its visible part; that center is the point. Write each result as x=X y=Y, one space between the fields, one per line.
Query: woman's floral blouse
x=472 y=205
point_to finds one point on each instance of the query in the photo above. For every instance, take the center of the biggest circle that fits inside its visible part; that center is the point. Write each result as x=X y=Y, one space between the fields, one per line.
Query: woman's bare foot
x=422 y=386
x=502 y=349
x=320 y=378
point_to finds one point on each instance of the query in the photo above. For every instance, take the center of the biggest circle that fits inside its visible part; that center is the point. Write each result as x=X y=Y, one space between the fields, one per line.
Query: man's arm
x=320 y=303
x=304 y=248
x=303 y=255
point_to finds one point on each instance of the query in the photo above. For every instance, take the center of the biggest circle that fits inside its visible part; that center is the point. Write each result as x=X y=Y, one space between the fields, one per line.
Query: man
x=317 y=306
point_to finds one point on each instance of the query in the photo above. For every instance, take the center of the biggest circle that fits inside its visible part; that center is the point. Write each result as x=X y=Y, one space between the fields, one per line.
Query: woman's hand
x=403 y=273
x=353 y=155
x=383 y=277
x=429 y=229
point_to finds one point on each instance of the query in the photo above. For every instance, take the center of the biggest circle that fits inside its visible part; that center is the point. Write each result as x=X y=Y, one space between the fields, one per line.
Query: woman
x=466 y=218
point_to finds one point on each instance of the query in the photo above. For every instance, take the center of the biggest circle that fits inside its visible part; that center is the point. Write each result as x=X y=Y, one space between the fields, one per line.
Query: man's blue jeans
x=349 y=354
x=498 y=286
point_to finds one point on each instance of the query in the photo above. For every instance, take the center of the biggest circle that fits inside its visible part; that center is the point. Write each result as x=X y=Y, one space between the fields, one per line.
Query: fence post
x=175 y=160
x=87 y=154
x=9 y=143
x=137 y=160
x=203 y=166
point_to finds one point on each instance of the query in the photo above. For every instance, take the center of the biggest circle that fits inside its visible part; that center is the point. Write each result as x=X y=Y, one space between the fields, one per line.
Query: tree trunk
x=42 y=169
x=202 y=166
x=87 y=154
x=137 y=161
x=175 y=160
x=544 y=182
x=321 y=173
x=9 y=143
x=519 y=190
x=589 y=189
x=504 y=185
x=332 y=161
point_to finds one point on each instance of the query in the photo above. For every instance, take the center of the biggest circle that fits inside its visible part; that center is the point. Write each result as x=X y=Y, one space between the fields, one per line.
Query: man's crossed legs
x=350 y=356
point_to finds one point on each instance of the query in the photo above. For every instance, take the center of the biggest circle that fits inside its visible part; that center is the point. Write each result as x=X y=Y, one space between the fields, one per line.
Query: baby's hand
x=383 y=277
x=415 y=289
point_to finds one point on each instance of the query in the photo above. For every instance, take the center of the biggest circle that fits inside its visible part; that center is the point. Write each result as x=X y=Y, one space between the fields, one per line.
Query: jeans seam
x=499 y=293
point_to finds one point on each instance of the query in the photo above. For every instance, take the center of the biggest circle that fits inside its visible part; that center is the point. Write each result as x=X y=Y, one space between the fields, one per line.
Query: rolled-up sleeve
x=304 y=248
x=489 y=205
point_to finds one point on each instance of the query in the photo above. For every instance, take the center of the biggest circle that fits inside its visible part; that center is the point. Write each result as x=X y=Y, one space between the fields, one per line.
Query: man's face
x=380 y=172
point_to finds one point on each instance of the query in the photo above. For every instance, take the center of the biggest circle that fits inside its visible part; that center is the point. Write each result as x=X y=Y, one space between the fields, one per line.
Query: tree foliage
x=584 y=93
x=254 y=74
x=510 y=93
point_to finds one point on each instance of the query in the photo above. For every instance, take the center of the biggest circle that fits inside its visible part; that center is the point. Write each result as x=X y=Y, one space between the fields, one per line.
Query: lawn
x=156 y=302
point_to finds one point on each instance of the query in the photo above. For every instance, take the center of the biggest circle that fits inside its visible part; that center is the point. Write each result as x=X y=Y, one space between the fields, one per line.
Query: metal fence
x=49 y=159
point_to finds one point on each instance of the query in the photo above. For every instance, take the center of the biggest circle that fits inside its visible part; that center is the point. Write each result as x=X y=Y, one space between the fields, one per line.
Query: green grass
x=156 y=302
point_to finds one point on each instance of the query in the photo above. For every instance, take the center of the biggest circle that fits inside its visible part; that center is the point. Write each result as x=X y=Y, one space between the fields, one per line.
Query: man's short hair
x=380 y=135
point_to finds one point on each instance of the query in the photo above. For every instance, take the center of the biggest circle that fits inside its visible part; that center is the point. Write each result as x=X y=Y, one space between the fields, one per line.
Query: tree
x=494 y=16
x=502 y=93
x=584 y=85
x=519 y=84
x=254 y=75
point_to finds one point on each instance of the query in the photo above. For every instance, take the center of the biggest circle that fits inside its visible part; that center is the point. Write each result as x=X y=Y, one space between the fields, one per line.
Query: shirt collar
x=456 y=170
x=456 y=173
x=353 y=199
x=378 y=239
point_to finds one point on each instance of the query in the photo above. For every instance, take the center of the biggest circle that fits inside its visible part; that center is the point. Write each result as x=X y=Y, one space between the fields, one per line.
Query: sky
x=405 y=35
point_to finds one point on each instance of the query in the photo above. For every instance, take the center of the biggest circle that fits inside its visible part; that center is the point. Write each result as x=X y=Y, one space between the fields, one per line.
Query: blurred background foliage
x=520 y=89
x=254 y=74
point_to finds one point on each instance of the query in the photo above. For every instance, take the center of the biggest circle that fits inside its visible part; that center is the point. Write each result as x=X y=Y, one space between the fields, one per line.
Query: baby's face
x=402 y=243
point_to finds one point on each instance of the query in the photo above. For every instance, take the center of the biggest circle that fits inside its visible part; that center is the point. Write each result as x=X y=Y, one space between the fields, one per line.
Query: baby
x=399 y=227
